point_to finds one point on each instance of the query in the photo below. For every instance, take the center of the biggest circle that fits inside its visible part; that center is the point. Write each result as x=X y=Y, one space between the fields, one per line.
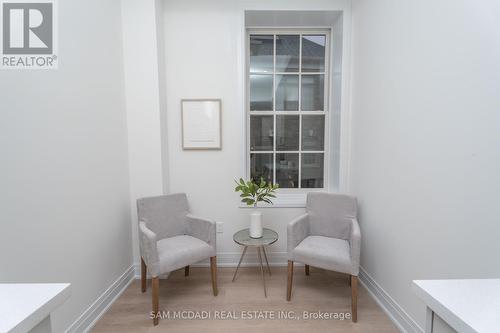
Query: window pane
x=312 y=171
x=287 y=53
x=287 y=170
x=313 y=53
x=287 y=132
x=261 y=92
x=313 y=92
x=261 y=133
x=287 y=92
x=313 y=132
x=261 y=54
x=261 y=165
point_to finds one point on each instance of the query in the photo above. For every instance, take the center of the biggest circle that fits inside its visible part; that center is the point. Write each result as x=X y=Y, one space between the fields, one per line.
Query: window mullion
x=274 y=110
x=299 y=185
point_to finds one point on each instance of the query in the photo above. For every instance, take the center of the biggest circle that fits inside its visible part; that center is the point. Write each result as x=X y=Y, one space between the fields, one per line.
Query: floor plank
x=322 y=291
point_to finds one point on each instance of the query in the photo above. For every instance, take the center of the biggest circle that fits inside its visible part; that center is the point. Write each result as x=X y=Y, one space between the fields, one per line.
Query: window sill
x=283 y=200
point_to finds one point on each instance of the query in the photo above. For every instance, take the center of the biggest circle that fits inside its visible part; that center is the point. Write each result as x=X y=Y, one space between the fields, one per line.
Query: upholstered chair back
x=330 y=214
x=165 y=215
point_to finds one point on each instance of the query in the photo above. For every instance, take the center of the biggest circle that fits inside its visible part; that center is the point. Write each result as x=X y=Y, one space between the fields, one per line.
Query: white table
x=26 y=307
x=471 y=305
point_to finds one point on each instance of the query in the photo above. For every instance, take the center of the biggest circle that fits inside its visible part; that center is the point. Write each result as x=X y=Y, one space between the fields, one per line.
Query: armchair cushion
x=202 y=229
x=297 y=231
x=327 y=253
x=165 y=215
x=331 y=214
x=179 y=251
x=355 y=243
x=147 y=245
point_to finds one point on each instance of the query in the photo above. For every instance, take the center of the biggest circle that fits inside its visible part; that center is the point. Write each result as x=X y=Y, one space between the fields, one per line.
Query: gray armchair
x=328 y=237
x=171 y=238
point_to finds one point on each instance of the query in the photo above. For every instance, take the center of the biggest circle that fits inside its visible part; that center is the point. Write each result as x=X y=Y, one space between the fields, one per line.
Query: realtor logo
x=28 y=34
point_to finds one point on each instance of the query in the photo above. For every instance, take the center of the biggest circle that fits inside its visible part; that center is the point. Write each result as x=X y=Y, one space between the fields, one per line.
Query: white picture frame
x=201 y=124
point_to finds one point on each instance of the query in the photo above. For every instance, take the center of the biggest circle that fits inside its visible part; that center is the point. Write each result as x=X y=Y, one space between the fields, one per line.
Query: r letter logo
x=28 y=34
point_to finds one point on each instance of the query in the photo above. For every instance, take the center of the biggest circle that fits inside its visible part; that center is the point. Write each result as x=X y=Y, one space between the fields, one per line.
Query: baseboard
x=89 y=317
x=401 y=319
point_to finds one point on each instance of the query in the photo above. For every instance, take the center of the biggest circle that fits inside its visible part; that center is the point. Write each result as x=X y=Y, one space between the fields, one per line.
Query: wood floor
x=320 y=291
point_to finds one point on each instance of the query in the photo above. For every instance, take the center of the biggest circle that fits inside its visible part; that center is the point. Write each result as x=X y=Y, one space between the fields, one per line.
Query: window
x=287 y=107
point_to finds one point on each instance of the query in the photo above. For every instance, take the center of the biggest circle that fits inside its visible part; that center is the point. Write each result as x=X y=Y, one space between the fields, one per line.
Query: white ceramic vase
x=256 y=224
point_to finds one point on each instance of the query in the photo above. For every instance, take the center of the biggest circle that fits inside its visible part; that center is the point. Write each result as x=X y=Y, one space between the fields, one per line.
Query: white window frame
x=293 y=197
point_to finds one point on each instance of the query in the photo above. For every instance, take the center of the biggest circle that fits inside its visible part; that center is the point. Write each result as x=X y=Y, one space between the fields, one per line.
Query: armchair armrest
x=201 y=228
x=297 y=230
x=149 y=251
x=355 y=244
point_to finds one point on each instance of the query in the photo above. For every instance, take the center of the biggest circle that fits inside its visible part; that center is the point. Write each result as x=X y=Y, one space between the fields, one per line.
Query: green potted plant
x=252 y=193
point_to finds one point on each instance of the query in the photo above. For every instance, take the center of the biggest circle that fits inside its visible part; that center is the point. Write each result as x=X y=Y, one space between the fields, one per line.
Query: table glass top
x=242 y=237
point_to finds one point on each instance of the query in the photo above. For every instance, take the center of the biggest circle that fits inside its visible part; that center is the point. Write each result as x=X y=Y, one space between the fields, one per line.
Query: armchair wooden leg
x=290 y=281
x=354 y=298
x=143 y=276
x=155 y=284
x=213 y=268
x=186 y=271
x=307 y=269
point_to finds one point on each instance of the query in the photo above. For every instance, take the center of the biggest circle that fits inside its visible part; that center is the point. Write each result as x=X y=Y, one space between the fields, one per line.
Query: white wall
x=143 y=104
x=64 y=197
x=205 y=59
x=425 y=154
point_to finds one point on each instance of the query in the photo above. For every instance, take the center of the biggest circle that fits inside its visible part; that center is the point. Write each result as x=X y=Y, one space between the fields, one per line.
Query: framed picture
x=201 y=123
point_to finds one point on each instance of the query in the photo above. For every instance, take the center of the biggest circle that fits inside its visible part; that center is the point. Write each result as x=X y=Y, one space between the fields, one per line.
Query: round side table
x=243 y=238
